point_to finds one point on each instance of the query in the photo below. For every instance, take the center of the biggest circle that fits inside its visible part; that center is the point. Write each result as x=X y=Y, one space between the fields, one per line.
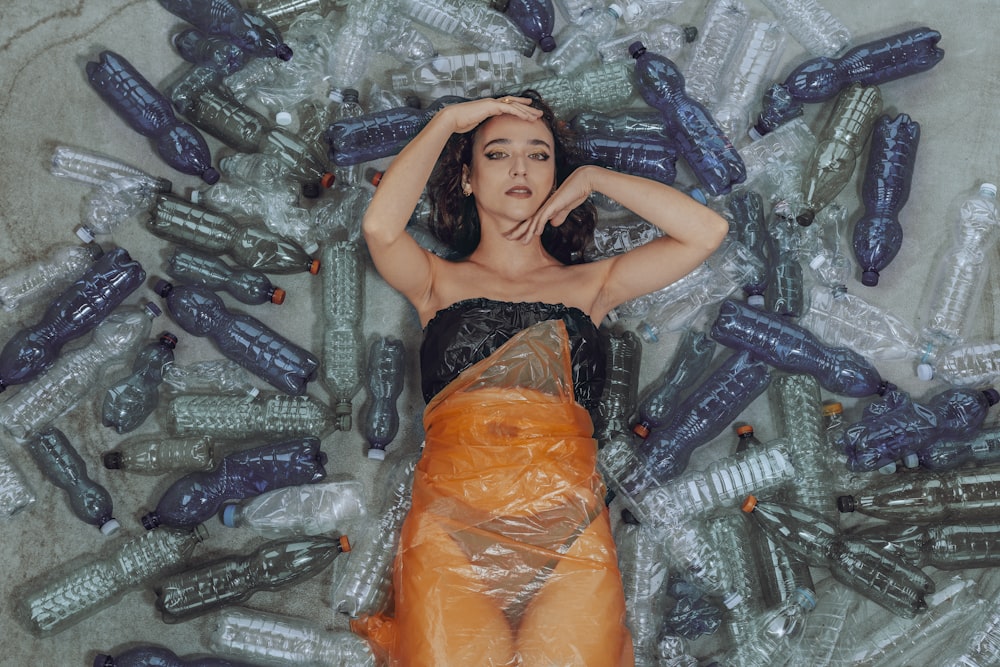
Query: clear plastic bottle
x=535 y=18
x=97 y=169
x=778 y=107
x=284 y=12
x=631 y=123
x=129 y=402
x=644 y=578
x=792 y=348
x=261 y=170
x=280 y=639
x=710 y=154
x=950 y=545
x=608 y=88
x=249 y=30
x=577 y=43
x=473 y=23
x=16 y=493
x=213 y=376
x=668 y=39
x=812 y=25
x=723 y=24
x=273 y=566
x=728 y=535
x=896 y=427
x=158 y=454
x=774 y=162
x=386 y=370
x=240 y=337
x=746 y=209
x=59 y=600
x=147 y=111
x=279 y=210
x=944 y=455
x=362 y=32
x=80 y=308
x=43 y=280
x=624 y=352
x=960 y=274
x=785 y=294
x=62 y=465
x=148 y=654
x=247 y=285
x=305 y=509
x=879 y=576
x=343 y=312
x=347 y=106
x=254 y=247
x=220 y=54
x=235 y=417
x=77 y=373
x=469 y=75
x=689 y=363
x=339 y=218
x=196 y=496
x=877 y=234
x=835 y=605
x=983 y=647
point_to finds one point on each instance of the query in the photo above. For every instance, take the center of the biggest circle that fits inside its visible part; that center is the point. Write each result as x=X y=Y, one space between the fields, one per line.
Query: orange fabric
x=506 y=557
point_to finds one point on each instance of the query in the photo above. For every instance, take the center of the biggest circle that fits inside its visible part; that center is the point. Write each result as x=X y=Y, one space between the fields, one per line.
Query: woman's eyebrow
x=505 y=141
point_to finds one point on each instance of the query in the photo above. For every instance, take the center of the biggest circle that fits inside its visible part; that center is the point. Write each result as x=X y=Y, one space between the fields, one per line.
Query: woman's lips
x=519 y=192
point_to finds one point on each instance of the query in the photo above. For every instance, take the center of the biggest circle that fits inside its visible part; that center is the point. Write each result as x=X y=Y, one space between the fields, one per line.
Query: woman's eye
x=540 y=156
x=495 y=155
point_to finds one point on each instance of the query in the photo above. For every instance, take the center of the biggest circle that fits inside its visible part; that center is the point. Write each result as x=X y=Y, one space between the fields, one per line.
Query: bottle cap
x=988 y=189
x=376 y=454
x=832 y=408
x=351 y=94
x=210 y=176
x=888 y=468
x=168 y=339
x=636 y=49
x=345 y=544
x=314 y=267
x=84 y=234
x=629 y=518
x=806 y=598
x=925 y=372
x=195 y=196
x=311 y=248
x=732 y=599
x=150 y=520
x=310 y=190
x=228 y=515
x=869 y=278
x=374 y=176
x=805 y=218
x=283 y=52
x=911 y=460
x=547 y=43
x=278 y=296
x=648 y=332
x=845 y=504
x=103 y=660
x=110 y=527
x=641 y=430
x=152 y=309
x=816 y=262
x=744 y=429
x=616 y=10
x=755 y=300
x=690 y=33
x=749 y=504
x=283 y=118
x=992 y=396
x=112 y=460
x=327 y=180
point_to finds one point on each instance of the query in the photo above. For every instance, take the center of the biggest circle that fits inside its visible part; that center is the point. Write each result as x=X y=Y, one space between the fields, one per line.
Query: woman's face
x=513 y=169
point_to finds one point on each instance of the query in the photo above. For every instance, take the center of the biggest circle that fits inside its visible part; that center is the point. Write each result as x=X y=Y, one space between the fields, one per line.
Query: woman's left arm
x=692 y=231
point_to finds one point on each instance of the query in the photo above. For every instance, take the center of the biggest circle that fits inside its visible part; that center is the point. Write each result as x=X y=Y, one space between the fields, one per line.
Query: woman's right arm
x=401 y=262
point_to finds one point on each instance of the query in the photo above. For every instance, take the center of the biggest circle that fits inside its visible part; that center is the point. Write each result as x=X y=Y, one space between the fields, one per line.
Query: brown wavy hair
x=455 y=220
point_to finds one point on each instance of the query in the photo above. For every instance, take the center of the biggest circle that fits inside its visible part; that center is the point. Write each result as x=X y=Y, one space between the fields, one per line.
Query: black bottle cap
x=547 y=43
x=103 y=660
x=168 y=339
x=150 y=520
x=112 y=460
x=310 y=190
x=636 y=49
x=283 y=51
x=629 y=518
x=805 y=218
x=869 y=278
x=992 y=396
x=210 y=176
x=845 y=504
x=690 y=33
x=162 y=287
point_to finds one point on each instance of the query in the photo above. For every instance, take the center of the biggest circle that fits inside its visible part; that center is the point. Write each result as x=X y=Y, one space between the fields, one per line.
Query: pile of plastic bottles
x=738 y=547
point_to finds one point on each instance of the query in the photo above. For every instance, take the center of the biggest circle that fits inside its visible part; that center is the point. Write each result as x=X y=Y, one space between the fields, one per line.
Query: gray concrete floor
x=46 y=101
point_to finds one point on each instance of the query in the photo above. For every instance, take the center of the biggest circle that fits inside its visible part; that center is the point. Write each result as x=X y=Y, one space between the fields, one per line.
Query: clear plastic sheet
x=507 y=556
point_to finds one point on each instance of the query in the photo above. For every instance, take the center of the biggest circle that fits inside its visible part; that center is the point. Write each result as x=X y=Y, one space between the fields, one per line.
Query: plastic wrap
x=507 y=555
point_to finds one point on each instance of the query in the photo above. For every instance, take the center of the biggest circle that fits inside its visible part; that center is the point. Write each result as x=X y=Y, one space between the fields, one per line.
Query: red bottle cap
x=314 y=267
x=749 y=504
x=278 y=296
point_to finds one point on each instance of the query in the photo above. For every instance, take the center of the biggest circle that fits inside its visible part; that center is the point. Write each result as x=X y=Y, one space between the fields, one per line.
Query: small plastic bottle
x=305 y=509
x=62 y=465
x=635 y=124
x=252 y=32
x=723 y=24
x=950 y=545
x=648 y=157
x=606 y=89
x=128 y=403
x=386 y=370
x=644 y=578
x=577 y=43
x=247 y=285
x=792 y=348
x=240 y=337
x=59 y=600
x=156 y=455
x=668 y=39
x=709 y=153
x=347 y=106
x=618 y=398
x=785 y=294
x=236 y=417
x=75 y=312
x=220 y=54
x=812 y=25
x=746 y=209
x=147 y=111
x=254 y=247
x=196 y=496
x=273 y=566
x=260 y=170
x=469 y=75
x=343 y=312
x=877 y=234
x=268 y=638
x=16 y=493
x=146 y=655
x=42 y=280
x=476 y=24
x=535 y=18
x=212 y=376
x=97 y=169
x=689 y=363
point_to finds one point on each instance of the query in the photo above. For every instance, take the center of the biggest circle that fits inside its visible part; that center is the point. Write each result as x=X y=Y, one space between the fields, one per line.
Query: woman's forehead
x=513 y=129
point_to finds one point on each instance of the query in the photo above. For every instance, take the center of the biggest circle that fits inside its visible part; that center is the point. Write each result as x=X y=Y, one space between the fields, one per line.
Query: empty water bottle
x=273 y=566
x=247 y=285
x=577 y=42
x=951 y=545
x=96 y=169
x=15 y=492
x=56 y=601
x=343 y=311
x=878 y=234
x=617 y=402
x=785 y=293
x=159 y=454
x=775 y=161
x=535 y=18
x=667 y=39
x=260 y=170
x=267 y=415
x=220 y=54
x=644 y=578
x=605 y=89
x=197 y=496
x=812 y=25
x=690 y=361
x=746 y=209
x=305 y=509
x=250 y=31
x=146 y=655
x=652 y=158
x=240 y=337
x=213 y=376
x=42 y=280
x=386 y=369
x=129 y=402
x=62 y=465
x=148 y=112
x=473 y=23
x=461 y=74
x=723 y=24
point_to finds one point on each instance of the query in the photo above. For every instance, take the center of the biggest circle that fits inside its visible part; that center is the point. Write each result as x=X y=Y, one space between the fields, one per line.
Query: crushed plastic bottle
x=690 y=361
x=468 y=75
x=535 y=18
x=237 y=417
x=248 y=30
x=220 y=54
x=159 y=454
x=476 y=24
x=343 y=311
x=723 y=24
x=811 y=25
x=386 y=371
x=247 y=285
x=16 y=493
x=44 y=279
x=305 y=509
x=128 y=403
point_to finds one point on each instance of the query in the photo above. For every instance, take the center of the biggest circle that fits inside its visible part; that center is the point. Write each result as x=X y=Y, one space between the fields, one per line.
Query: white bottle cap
x=911 y=460
x=755 y=300
x=84 y=234
x=376 y=454
x=732 y=599
x=887 y=469
x=925 y=372
x=616 y=10
x=195 y=196
x=110 y=527
x=816 y=262
x=312 y=248
x=988 y=189
x=283 y=118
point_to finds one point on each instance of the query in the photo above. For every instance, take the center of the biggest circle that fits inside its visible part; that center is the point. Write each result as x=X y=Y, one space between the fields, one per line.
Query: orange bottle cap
x=278 y=296
x=327 y=180
x=832 y=408
x=744 y=429
x=376 y=178
x=345 y=544
x=749 y=504
x=641 y=430
x=314 y=267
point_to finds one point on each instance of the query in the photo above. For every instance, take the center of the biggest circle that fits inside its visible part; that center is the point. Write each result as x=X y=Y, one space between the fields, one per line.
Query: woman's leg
x=577 y=619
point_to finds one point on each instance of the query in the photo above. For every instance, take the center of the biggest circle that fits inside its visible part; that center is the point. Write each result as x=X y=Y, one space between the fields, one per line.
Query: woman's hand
x=574 y=191
x=466 y=116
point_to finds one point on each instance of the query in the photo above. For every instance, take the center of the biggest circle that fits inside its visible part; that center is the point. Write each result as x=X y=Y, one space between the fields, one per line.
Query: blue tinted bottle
x=247 y=285
x=129 y=402
x=250 y=31
x=386 y=369
x=690 y=361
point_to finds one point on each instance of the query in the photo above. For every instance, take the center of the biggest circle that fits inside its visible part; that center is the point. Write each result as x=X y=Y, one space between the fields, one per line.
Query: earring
x=466 y=189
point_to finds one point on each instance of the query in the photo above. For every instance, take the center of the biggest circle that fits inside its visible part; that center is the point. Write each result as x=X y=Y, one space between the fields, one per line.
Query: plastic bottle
x=59 y=600
x=951 y=545
x=16 y=493
x=268 y=638
x=983 y=647
x=838 y=145
x=879 y=576
x=75 y=312
x=473 y=23
x=63 y=466
x=364 y=585
x=690 y=361
x=723 y=24
x=220 y=54
x=240 y=337
x=273 y=566
x=279 y=210
x=146 y=655
x=386 y=370
x=896 y=427
x=812 y=25
x=746 y=209
x=147 y=111
x=636 y=124
x=196 y=496
x=305 y=509
x=618 y=398
x=213 y=376
x=869 y=64
x=285 y=12
x=960 y=274
x=577 y=42
x=362 y=32
x=42 y=280
x=185 y=223
x=247 y=285
x=260 y=170
x=778 y=107
x=728 y=535
x=644 y=578
x=606 y=89
x=668 y=39
x=235 y=417
x=96 y=169
x=877 y=234
x=709 y=153
x=343 y=312
x=471 y=75
x=129 y=402
x=534 y=18
x=347 y=107
x=774 y=162
x=785 y=293
x=250 y=31
x=77 y=373
x=792 y=348
x=648 y=157
x=156 y=455
x=835 y=606
x=943 y=455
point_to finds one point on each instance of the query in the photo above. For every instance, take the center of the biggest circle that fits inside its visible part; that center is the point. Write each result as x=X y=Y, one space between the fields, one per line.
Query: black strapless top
x=470 y=330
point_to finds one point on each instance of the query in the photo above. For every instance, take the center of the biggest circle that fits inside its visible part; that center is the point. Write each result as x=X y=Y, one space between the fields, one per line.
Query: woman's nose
x=518 y=166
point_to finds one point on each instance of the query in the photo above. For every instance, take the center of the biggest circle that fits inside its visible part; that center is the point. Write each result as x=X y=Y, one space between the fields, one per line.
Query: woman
x=506 y=557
